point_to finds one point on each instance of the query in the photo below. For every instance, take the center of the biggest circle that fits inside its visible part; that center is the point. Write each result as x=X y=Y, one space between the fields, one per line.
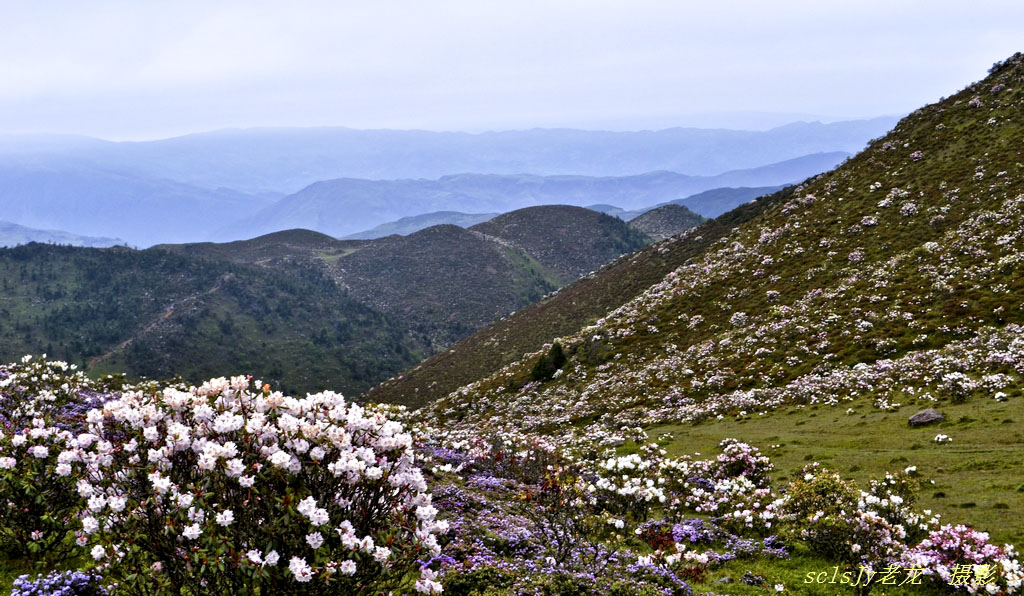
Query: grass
x=793 y=574
x=983 y=466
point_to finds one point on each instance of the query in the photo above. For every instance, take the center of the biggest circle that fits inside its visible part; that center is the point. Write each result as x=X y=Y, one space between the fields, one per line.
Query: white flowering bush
x=894 y=498
x=822 y=510
x=39 y=493
x=231 y=488
x=42 y=408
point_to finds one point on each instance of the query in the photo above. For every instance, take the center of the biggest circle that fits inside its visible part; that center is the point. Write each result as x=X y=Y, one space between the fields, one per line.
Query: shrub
x=41 y=501
x=818 y=507
x=964 y=558
x=230 y=488
x=549 y=363
x=42 y=409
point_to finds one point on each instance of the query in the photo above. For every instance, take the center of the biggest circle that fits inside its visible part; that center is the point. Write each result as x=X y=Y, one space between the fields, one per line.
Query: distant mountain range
x=285 y=160
x=345 y=206
x=141 y=210
x=224 y=185
x=14 y=235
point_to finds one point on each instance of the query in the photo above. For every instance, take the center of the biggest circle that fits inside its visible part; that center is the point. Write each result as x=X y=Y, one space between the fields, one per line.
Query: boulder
x=926 y=417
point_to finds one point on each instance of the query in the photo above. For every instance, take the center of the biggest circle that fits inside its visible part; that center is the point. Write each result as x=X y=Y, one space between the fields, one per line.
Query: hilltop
x=414 y=223
x=443 y=282
x=665 y=221
x=421 y=279
x=571 y=241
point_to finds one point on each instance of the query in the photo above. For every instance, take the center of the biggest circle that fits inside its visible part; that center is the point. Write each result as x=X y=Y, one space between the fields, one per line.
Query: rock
x=926 y=417
x=723 y=580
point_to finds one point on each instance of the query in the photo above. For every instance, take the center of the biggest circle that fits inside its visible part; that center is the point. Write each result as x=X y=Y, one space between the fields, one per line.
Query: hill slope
x=878 y=244
x=891 y=282
x=157 y=314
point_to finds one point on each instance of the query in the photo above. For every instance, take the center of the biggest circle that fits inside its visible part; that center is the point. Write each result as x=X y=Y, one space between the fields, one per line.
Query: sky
x=136 y=70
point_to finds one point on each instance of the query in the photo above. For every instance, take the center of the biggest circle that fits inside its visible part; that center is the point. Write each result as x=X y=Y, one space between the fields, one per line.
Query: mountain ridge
x=343 y=206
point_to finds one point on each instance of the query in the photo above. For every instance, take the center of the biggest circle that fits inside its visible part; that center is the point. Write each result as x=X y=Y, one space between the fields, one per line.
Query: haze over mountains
x=285 y=160
x=233 y=184
x=345 y=206
x=13 y=235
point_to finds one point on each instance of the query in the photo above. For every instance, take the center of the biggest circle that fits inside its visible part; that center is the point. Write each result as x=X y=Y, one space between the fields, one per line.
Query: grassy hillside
x=886 y=286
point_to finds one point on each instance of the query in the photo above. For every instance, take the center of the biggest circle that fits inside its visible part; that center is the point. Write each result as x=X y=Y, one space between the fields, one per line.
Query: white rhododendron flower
x=225 y=518
x=315 y=540
x=300 y=569
x=192 y=532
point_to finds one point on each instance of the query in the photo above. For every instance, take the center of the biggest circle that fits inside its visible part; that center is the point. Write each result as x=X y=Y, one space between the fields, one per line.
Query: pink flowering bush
x=231 y=488
x=742 y=459
x=961 y=557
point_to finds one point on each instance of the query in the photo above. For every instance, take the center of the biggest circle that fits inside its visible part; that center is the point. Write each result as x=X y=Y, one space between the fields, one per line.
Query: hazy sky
x=145 y=69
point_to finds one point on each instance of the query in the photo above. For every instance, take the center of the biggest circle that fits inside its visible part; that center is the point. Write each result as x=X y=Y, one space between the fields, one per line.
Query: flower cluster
x=952 y=550
x=57 y=583
x=225 y=488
